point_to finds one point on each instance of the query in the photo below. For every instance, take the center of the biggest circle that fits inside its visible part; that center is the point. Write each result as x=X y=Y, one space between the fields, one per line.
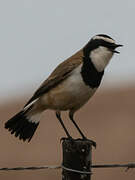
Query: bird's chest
x=72 y=93
x=76 y=85
x=77 y=92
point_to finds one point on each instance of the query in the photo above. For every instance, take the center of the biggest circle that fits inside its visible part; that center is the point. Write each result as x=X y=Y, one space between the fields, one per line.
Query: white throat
x=100 y=57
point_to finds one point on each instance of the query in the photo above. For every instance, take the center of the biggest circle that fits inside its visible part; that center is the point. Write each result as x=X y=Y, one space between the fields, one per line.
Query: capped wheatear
x=68 y=88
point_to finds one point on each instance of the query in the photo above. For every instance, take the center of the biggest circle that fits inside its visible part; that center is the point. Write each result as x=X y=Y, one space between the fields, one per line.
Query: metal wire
x=128 y=166
x=76 y=171
x=30 y=168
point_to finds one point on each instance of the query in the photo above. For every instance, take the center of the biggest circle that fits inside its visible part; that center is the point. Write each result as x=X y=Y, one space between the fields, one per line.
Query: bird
x=68 y=88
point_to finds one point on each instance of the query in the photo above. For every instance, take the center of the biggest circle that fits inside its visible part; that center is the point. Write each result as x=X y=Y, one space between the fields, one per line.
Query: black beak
x=116 y=46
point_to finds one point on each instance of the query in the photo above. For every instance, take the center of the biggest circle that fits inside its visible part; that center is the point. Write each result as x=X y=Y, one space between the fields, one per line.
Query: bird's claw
x=66 y=138
x=93 y=143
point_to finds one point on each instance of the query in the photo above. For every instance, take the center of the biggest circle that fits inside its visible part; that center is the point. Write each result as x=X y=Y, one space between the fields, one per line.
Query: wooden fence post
x=77 y=159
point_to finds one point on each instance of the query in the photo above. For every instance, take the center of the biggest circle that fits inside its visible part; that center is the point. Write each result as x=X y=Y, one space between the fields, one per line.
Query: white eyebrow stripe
x=104 y=38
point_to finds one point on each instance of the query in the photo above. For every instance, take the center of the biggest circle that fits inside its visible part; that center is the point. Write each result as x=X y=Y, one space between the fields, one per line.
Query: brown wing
x=59 y=74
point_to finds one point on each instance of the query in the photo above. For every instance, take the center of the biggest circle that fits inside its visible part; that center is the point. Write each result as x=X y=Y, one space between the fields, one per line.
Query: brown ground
x=109 y=119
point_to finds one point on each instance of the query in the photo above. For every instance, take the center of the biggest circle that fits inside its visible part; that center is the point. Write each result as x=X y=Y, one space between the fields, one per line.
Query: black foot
x=66 y=138
x=94 y=144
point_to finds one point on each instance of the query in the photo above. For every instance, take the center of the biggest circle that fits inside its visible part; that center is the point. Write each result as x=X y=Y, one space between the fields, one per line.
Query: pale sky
x=36 y=35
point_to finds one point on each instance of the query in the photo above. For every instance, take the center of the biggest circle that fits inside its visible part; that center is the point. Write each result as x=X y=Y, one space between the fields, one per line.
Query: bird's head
x=100 y=50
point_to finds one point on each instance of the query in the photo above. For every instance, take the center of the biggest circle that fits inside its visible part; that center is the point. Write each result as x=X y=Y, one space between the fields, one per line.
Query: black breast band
x=90 y=75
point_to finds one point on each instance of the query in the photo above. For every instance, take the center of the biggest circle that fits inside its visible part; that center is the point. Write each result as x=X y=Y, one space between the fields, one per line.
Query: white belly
x=70 y=94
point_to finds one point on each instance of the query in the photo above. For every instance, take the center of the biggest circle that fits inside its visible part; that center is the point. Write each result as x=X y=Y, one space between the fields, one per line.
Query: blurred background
x=35 y=36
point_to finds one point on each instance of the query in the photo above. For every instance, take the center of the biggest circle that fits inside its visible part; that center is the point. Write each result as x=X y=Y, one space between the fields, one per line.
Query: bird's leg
x=83 y=136
x=61 y=122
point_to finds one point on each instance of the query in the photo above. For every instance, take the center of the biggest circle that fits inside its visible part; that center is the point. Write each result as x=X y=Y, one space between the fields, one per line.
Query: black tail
x=21 y=126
